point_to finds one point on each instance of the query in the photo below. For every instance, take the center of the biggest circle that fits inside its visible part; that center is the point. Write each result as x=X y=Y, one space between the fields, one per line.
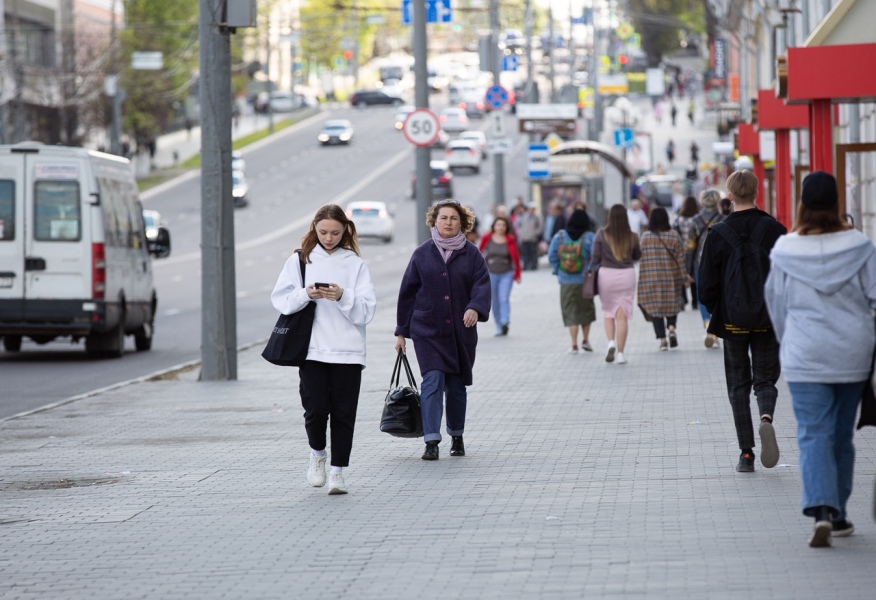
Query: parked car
x=336 y=131
x=657 y=189
x=285 y=101
x=237 y=162
x=441 y=141
x=478 y=137
x=153 y=223
x=372 y=219
x=442 y=180
x=463 y=154
x=453 y=120
x=363 y=98
x=401 y=114
x=74 y=256
x=239 y=189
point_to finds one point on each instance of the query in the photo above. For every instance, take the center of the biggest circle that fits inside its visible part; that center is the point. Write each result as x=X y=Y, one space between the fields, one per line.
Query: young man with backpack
x=732 y=273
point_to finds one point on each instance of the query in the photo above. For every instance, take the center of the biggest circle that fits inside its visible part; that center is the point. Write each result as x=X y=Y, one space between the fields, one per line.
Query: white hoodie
x=338 y=327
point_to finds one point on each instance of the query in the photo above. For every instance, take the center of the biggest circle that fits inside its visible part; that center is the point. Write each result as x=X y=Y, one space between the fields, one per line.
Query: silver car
x=372 y=219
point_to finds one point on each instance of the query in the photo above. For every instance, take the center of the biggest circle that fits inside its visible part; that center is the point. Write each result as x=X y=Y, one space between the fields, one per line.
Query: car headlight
x=322 y=137
x=238 y=193
x=345 y=137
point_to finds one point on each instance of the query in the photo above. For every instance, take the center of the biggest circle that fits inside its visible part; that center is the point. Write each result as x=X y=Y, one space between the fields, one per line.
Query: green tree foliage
x=661 y=23
x=154 y=98
x=323 y=26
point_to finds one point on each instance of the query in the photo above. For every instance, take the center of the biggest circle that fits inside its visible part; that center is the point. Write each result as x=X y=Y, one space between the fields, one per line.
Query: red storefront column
x=821 y=135
x=783 y=177
x=760 y=174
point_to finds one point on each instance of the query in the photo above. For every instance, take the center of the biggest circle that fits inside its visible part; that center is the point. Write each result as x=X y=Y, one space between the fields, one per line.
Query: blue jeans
x=705 y=313
x=435 y=385
x=501 y=289
x=825 y=427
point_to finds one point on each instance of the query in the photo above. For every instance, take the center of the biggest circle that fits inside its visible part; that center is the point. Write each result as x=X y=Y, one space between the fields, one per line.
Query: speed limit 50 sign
x=421 y=127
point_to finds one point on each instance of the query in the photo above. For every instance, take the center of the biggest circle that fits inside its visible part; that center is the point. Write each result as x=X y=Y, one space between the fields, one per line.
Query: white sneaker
x=586 y=347
x=609 y=354
x=316 y=470
x=337 y=484
x=621 y=359
x=709 y=340
x=573 y=350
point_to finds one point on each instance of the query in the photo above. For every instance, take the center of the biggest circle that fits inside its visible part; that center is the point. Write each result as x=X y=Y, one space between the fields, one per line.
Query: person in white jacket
x=338 y=280
x=820 y=294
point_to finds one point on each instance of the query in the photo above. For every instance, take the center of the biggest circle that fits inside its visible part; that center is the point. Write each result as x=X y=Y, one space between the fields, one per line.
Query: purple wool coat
x=432 y=300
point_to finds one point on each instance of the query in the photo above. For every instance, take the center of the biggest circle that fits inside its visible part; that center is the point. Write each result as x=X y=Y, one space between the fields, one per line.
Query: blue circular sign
x=496 y=97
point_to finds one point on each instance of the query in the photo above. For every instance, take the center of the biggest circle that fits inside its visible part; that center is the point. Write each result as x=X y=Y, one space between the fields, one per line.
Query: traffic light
x=348 y=54
x=623 y=59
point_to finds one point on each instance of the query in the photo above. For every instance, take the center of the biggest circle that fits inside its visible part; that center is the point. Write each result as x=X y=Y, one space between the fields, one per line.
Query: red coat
x=512 y=250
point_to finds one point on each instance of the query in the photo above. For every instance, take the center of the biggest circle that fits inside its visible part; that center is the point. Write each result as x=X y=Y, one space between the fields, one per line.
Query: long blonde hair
x=617 y=233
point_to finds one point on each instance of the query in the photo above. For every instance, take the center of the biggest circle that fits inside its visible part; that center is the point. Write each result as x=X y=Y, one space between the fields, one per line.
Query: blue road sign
x=538 y=161
x=437 y=11
x=509 y=63
x=623 y=138
x=496 y=97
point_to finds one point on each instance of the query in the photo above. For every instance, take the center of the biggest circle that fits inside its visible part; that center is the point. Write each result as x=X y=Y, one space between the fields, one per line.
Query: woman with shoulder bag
x=499 y=248
x=615 y=251
x=445 y=291
x=661 y=273
x=338 y=280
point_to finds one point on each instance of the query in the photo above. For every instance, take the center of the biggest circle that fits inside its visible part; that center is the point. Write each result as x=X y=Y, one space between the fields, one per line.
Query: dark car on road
x=442 y=180
x=363 y=98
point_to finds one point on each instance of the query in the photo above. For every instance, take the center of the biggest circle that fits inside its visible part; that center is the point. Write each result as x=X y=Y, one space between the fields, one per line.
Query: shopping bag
x=590 y=289
x=401 y=409
x=290 y=338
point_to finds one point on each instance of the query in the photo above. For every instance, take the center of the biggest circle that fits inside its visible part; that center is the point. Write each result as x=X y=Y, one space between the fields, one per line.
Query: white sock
x=336 y=470
x=317 y=453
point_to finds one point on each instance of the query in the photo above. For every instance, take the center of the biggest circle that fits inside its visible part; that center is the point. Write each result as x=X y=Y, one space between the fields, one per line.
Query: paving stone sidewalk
x=582 y=480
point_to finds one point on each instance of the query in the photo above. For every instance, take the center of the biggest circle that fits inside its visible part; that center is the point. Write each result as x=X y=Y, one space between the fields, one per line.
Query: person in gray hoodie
x=820 y=294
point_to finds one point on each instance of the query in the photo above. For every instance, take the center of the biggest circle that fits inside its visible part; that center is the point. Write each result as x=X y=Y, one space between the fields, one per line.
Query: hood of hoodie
x=824 y=262
x=340 y=253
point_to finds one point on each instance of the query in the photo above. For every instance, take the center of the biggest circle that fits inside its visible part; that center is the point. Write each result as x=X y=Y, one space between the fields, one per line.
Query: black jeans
x=529 y=252
x=660 y=328
x=330 y=390
x=759 y=371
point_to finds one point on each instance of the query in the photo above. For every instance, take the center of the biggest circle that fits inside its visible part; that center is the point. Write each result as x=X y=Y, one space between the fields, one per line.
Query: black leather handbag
x=290 y=339
x=401 y=409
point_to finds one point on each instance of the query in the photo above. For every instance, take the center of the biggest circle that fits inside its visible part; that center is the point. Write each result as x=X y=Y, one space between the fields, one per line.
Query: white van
x=74 y=259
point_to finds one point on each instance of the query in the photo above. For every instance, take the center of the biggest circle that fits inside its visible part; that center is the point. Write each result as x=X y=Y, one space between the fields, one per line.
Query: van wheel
x=110 y=344
x=12 y=343
x=143 y=337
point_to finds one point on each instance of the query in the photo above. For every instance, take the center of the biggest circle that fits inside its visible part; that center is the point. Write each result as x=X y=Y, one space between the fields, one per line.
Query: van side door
x=12 y=231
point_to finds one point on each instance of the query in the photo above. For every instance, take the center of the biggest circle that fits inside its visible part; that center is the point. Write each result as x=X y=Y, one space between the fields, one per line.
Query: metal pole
x=421 y=96
x=270 y=107
x=551 y=48
x=218 y=286
x=595 y=128
x=529 y=75
x=498 y=157
x=115 y=124
x=854 y=159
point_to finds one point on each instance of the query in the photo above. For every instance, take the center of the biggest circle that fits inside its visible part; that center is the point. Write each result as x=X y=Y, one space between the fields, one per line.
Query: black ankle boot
x=431 y=452
x=456 y=447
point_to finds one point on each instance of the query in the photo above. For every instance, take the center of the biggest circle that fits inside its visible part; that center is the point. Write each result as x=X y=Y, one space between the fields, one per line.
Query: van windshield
x=56 y=211
x=7 y=210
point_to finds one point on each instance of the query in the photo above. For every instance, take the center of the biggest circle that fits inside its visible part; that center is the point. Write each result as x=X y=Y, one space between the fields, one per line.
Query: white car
x=478 y=137
x=453 y=120
x=237 y=161
x=401 y=114
x=372 y=219
x=239 y=189
x=463 y=154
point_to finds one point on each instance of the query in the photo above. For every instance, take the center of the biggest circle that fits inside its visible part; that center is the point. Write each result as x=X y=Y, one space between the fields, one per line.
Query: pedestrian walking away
x=569 y=252
x=615 y=250
x=691 y=111
x=661 y=275
x=681 y=225
x=696 y=238
x=694 y=152
x=731 y=278
x=529 y=230
x=673 y=113
x=637 y=217
x=499 y=249
x=445 y=291
x=670 y=152
x=821 y=293
x=338 y=280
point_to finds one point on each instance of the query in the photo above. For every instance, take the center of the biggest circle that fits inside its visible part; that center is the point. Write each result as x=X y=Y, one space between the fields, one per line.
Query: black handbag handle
x=402 y=359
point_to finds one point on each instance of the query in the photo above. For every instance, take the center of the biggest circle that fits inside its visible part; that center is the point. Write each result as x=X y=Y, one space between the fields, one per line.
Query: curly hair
x=466 y=215
x=333 y=212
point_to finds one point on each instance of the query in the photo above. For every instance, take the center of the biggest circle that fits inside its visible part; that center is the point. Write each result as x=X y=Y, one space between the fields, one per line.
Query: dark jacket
x=432 y=300
x=716 y=255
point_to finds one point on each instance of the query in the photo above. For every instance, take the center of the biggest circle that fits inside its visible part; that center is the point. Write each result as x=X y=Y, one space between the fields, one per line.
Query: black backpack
x=745 y=274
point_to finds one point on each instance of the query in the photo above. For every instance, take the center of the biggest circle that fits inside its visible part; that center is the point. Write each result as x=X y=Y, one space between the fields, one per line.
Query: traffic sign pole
x=421 y=97
x=499 y=158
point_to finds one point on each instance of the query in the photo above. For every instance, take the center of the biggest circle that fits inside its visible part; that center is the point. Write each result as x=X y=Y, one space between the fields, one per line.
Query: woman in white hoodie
x=337 y=279
x=820 y=294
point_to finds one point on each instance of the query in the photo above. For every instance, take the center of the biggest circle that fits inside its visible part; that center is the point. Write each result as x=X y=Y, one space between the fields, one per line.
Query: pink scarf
x=447 y=245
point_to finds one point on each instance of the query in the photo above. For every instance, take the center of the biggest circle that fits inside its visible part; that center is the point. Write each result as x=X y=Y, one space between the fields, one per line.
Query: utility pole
x=218 y=285
x=270 y=108
x=552 y=45
x=115 y=124
x=528 y=93
x=421 y=96
x=498 y=157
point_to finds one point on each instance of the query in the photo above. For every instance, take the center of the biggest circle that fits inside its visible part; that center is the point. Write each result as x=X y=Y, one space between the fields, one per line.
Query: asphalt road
x=290 y=177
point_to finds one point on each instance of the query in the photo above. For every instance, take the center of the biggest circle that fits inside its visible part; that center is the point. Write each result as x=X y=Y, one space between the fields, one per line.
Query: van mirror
x=159 y=247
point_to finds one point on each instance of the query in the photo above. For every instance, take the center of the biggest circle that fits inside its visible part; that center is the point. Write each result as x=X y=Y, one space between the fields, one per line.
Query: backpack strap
x=760 y=231
x=726 y=232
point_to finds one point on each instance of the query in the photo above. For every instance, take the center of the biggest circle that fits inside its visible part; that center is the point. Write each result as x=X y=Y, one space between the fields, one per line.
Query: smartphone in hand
x=320 y=285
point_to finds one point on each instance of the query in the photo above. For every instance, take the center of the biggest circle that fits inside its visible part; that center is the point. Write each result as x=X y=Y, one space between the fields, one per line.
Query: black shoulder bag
x=288 y=344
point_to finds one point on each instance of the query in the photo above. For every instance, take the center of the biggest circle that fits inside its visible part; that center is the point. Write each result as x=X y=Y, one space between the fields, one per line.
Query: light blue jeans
x=435 y=385
x=825 y=427
x=501 y=289
x=703 y=311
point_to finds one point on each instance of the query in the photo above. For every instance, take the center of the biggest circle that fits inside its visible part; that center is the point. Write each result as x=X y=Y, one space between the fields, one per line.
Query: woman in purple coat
x=444 y=293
